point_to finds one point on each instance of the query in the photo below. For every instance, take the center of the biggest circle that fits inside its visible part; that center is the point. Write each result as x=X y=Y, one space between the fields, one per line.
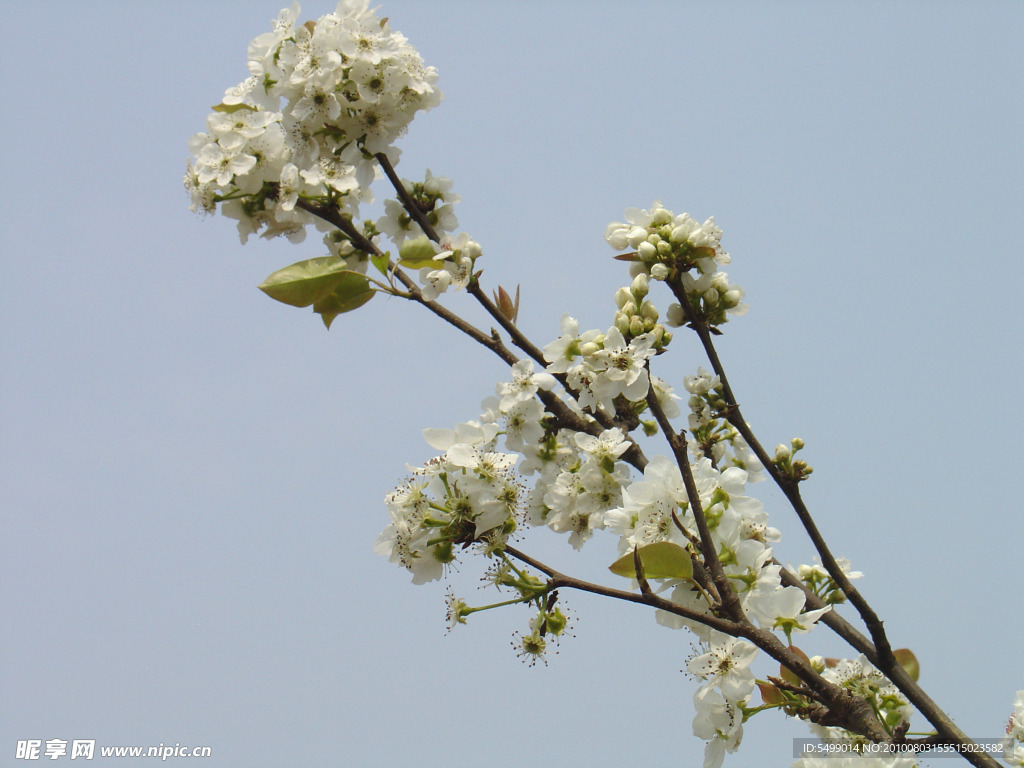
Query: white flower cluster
x=469 y=494
x=862 y=679
x=728 y=682
x=855 y=760
x=686 y=254
x=601 y=366
x=653 y=509
x=1015 y=731
x=454 y=260
x=349 y=87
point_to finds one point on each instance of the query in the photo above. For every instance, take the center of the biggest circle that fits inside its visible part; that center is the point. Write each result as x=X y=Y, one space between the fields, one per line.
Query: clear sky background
x=192 y=474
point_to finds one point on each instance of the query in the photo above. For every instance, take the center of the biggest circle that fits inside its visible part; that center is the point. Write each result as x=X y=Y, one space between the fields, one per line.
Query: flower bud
x=622 y=296
x=635 y=268
x=637 y=235
x=674 y=315
x=647 y=250
x=617 y=236
x=660 y=216
x=696 y=385
x=431 y=186
x=640 y=286
x=659 y=272
x=782 y=453
x=732 y=297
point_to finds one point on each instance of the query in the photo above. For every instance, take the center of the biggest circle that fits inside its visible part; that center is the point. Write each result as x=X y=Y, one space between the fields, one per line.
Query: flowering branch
x=557 y=580
x=299 y=142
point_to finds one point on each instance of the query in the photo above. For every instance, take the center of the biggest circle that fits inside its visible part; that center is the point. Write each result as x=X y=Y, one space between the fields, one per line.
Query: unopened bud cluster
x=707 y=398
x=636 y=315
x=711 y=434
x=789 y=466
x=684 y=253
x=818 y=580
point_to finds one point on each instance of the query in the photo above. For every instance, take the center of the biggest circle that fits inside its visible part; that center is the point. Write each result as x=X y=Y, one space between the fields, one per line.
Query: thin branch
x=729 y=600
x=787 y=485
x=832 y=619
x=411 y=206
x=849 y=711
x=557 y=580
x=634 y=455
x=880 y=651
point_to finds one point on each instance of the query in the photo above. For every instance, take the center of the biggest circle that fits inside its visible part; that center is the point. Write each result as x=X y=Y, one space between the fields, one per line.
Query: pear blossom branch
x=786 y=484
x=879 y=652
x=411 y=206
x=558 y=580
x=331 y=215
x=838 y=706
x=492 y=341
x=519 y=339
x=729 y=600
x=843 y=708
x=852 y=712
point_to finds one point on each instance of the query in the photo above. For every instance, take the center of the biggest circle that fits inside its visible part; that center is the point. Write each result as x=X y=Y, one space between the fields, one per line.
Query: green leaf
x=381 y=263
x=229 y=108
x=661 y=560
x=305 y=282
x=351 y=293
x=417 y=253
x=906 y=659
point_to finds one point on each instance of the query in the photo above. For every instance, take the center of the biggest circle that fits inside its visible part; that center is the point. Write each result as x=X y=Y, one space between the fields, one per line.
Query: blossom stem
x=850 y=711
x=786 y=484
x=634 y=455
x=730 y=601
x=879 y=652
x=557 y=580
x=410 y=205
x=516 y=601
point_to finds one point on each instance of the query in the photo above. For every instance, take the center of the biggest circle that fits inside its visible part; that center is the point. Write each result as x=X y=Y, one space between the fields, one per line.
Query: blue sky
x=193 y=474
